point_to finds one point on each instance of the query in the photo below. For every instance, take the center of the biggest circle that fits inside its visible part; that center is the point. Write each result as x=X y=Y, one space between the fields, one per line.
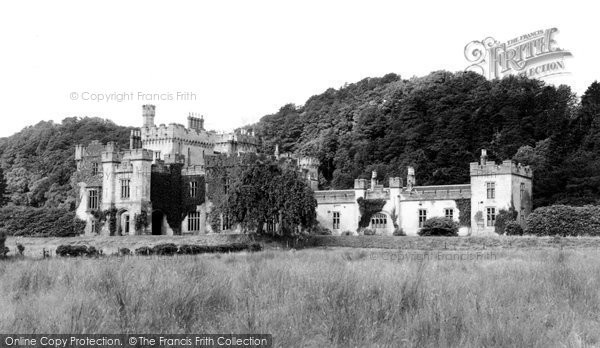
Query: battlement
x=193 y=170
x=335 y=196
x=378 y=192
x=437 y=192
x=175 y=131
x=395 y=182
x=506 y=167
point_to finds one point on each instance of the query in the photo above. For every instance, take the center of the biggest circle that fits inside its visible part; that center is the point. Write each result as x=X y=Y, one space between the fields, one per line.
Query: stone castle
x=158 y=186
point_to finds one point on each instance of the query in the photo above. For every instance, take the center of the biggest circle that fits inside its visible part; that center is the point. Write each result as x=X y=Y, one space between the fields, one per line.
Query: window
x=271 y=225
x=194 y=221
x=422 y=217
x=94 y=168
x=126 y=229
x=449 y=213
x=225 y=185
x=336 y=220
x=491 y=217
x=193 y=189
x=522 y=190
x=125 y=191
x=379 y=220
x=93 y=199
x=226 y=222
x=491 y=190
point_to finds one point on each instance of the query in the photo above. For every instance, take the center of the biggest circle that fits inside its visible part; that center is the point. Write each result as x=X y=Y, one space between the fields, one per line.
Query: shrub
x=165 y=249
x=564 y=220
x=439 y=226
x=320 y=230
x=368 y=232
x=144 y=251
x=347 y=233
x=3 y=249
x=503 y=218
x=20 y=249
x=124 y=252
x=77 y=250
x=398 y=232
x=513 y=229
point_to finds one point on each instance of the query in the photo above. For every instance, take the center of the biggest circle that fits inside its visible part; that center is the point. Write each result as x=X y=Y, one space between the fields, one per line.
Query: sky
x=236 y=61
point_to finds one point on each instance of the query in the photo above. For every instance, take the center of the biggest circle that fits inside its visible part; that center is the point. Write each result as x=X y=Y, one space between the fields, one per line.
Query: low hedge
x=564 y=220
x=77 y=250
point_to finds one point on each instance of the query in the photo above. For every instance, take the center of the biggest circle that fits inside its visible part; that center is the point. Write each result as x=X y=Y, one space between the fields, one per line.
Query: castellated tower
x=148 y=112
x=495 y=187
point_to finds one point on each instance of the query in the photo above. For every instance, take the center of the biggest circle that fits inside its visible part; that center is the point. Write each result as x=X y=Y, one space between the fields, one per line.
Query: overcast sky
x=246 y=59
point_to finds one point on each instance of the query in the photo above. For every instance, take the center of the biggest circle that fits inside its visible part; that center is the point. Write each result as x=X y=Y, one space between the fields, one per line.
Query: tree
x=266 y=192
x=2 y=188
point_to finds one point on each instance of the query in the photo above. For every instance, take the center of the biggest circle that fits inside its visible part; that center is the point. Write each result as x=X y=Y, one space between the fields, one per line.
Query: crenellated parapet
x=506 y=167
x=441 y=192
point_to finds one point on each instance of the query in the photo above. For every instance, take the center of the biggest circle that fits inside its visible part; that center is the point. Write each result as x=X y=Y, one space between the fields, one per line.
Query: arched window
x=379 y=220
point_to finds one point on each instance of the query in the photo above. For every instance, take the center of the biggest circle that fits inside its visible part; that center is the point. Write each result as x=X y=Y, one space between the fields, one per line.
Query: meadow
x=315 y=298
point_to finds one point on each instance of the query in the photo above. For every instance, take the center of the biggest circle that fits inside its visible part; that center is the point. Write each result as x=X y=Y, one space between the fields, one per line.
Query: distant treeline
x=439 y=123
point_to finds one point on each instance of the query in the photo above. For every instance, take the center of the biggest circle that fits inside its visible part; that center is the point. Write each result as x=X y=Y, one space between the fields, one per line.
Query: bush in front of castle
x=439 y=226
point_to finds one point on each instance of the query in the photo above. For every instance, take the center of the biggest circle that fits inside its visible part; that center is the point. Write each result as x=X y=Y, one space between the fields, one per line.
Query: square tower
x=495 y=187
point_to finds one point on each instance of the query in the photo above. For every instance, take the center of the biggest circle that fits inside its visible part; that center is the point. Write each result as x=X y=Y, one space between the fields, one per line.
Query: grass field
x=339 y=297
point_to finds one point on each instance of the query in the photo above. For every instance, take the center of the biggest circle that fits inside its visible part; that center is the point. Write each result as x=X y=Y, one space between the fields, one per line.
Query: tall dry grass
x=315 y=298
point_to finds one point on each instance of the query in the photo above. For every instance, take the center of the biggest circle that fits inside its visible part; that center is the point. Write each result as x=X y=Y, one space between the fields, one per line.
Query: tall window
x=271 y=225
x=422 y=217
x=193 y=189
x=491 y=217
x=125 y=190
x=336 y=220
x=194 y=221
x=449 y=213
x=522 y=189
x=94 y=168
x=225 y=185
x=379 y=220
x=93 y=199
x=126 y=229
x=226 y=222
x=491 y=190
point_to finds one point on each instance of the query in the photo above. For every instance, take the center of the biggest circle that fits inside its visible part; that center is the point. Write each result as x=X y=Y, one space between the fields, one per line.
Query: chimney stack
x=410 y=178
x=483 y=159
x=373 y=180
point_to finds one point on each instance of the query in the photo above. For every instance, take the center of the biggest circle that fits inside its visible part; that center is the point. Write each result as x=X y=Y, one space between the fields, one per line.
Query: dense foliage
x=563 y=220
x=439 y=226
x=367 y=208
x=39 y=160
x=40 y=222
x=268 y=192
x=439 y=123
x=504 y=217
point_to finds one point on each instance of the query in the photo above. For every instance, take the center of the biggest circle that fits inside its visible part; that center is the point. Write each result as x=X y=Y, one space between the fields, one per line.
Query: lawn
x=338 y=297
